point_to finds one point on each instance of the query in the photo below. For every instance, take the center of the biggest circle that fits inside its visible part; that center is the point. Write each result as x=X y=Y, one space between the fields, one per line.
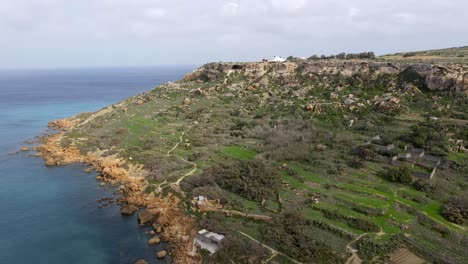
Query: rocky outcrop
x=434 y=77
x=128 y=209
x=166 y=211
x=147 y=215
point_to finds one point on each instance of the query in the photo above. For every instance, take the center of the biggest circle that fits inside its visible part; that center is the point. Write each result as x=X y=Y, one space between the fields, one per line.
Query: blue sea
x=50 y=214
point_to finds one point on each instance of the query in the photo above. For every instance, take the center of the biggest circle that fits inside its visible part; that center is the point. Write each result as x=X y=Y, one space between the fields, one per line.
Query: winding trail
x=354 y=259
x=273 y=251
x=176 y=185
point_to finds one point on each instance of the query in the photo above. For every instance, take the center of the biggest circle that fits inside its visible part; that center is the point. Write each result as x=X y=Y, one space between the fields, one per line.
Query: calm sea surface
x=50 y=215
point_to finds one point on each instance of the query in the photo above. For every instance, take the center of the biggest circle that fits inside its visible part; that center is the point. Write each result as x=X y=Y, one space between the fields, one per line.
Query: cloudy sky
x=80 y=33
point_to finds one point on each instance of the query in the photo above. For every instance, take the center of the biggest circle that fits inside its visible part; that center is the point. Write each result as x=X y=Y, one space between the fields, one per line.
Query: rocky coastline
x=164 y=212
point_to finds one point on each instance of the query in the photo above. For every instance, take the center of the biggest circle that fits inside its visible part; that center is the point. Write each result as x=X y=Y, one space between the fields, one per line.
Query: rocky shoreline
x=164 y=212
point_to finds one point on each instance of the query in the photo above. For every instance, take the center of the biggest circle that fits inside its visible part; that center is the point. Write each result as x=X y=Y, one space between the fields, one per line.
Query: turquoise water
x=50 y=214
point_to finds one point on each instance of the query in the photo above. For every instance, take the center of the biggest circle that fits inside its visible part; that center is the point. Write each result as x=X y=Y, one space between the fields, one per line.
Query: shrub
x=403 y=174
x=409 y=54
x=365 y=153
x=370 y=248
x=456 y=209
x=356 y=163
x=252 y=179
x=423 y=185
x=287 y=234
x=291 y=140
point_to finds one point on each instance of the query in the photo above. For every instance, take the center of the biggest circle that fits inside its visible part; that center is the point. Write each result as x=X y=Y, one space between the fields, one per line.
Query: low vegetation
x=328 y=157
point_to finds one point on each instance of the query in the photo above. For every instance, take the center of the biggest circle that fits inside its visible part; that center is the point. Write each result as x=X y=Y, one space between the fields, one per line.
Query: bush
x=409 y=54
x=403 y=174
x=371 y=248
x=456 y=210
x=430 y=136
x=365 y=153
x=423 y=185
x=291 y=140
x=356 y=163
x=254 y=179
x=287 y=233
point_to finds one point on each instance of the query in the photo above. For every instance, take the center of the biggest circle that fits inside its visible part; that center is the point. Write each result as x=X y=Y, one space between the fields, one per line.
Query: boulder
x=157 y=227
x=187 y=101
x=165 y=237
x=164 y=220
x=154 y=241
x=146 y=216
x=128 y=209
x=320 y=147
x=161 y=254
x=88 y=170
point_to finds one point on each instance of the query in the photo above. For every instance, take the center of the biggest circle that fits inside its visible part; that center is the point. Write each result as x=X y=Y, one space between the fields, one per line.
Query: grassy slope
x=450 y=55
x=219 y=128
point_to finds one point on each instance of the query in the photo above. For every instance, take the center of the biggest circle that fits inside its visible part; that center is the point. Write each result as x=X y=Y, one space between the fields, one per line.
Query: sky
x=99 y=33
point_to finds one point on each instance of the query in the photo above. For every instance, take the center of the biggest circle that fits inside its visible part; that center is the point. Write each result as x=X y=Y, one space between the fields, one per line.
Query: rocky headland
x=164 y=213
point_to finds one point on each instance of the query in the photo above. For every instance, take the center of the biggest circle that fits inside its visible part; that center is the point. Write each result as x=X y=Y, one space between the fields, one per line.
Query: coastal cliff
x=268 y=142
x=434 y=77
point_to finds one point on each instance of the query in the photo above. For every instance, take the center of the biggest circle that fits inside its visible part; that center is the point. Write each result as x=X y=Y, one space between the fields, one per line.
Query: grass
x=240 y=153
x=458 y=157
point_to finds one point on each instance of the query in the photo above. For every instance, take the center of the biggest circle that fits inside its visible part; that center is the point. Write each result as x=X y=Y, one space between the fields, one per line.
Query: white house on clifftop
x=278 y=59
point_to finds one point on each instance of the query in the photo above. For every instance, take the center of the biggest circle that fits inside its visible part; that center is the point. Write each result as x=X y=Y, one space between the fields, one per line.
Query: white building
x=278 y=59
x=209 y=240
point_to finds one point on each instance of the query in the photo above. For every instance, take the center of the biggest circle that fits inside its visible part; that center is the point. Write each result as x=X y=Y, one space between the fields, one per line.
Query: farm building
x=209 y=240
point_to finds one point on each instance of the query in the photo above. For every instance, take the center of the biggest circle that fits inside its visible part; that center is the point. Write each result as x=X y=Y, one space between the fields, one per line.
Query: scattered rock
x=164 y=237
x=316 y=109
x=24 y=148
x=157 y=227
x=152 y=232
x=128 y=209
x=88 y=170
x=199 y=92
x=320 y=147
x=141 y=261
x=161 y=254
x=102 y=184
x=154 y=241
x=386 y=102
x=187 y=101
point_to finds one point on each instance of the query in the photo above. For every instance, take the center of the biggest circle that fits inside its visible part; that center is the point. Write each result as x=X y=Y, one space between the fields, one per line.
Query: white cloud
x=156 y=13
x=231 y=9
x=288 y=5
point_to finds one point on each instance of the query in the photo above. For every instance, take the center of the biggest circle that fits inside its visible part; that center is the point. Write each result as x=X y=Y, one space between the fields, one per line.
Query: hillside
x=450 y=55
x=327 y=161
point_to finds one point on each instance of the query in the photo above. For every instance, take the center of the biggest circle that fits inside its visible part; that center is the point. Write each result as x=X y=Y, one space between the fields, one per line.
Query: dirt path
x=273 y=251
x=354 y=259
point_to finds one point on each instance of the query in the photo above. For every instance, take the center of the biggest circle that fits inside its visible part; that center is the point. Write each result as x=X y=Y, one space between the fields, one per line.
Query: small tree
x=341 y=56
x=403 y=174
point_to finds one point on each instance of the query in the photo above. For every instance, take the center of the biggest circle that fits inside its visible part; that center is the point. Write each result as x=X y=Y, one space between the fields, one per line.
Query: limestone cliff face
x=450 y=77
